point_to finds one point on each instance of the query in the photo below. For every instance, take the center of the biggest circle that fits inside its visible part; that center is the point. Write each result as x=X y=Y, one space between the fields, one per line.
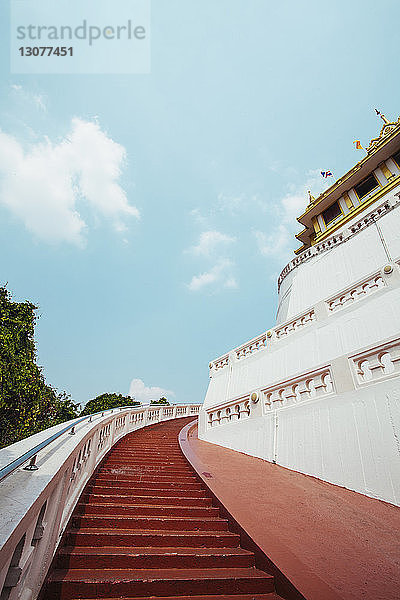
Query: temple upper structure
x=365 y=184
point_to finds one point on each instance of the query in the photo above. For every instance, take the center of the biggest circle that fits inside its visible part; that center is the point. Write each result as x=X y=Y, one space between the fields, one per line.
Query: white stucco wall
x=327 y=381
x=336 y=268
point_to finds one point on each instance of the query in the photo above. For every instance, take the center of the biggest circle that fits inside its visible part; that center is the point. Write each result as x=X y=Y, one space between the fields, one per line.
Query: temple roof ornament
x=388 y=128
x=311 y=198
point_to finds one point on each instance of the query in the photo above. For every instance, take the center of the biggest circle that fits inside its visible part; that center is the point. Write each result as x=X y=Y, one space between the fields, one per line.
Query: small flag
x=326 y=174
x=358 y=145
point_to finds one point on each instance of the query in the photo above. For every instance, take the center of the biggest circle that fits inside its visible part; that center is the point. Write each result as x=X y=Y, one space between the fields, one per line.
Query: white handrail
x=36 y=505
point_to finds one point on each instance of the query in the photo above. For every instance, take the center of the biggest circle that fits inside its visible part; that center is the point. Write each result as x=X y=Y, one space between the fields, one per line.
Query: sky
x=149 y=215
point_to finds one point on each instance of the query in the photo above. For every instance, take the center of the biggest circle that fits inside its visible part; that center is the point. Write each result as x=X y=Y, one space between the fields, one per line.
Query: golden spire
x=311 y=198
x=382 y=116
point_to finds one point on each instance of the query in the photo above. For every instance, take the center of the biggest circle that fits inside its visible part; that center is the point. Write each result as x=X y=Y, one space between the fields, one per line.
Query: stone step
x=150 y=522
x=147 y=491
x=146 y=499
x=155 y=483
x=151 y=537
x=142 y=510
x=117 y=583
x=151 y=558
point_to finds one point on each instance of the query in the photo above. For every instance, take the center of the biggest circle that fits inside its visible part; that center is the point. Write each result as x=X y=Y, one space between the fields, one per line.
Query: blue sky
x=165 y=254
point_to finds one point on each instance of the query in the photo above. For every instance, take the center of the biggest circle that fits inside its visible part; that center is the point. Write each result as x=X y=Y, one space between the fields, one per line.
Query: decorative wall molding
x=295 y=324
x=364 y=288
x=308 y=386
x=267 y=340
x=253 y=345
x=238 y=409
x=377 y=363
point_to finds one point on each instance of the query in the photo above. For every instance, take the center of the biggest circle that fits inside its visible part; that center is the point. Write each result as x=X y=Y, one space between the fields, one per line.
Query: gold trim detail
x=386 y=171
x=386 y=132
x=316 y=226
x=381 y=192
x=387 y=129
x=348 y=201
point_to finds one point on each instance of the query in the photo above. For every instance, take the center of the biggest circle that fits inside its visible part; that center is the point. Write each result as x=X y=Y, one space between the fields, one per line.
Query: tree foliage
x=162 y=400
x=27 y=403
x=106 y=401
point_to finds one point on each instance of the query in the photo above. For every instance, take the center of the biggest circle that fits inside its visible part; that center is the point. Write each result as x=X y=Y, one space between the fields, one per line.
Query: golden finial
x=310 y=197
x=382 y=116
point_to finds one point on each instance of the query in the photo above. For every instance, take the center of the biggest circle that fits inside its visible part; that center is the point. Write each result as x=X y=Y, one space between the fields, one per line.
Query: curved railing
x=37 y=500
x=342 y=237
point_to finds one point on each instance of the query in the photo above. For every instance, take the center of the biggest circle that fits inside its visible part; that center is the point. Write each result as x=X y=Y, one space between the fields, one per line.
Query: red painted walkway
x=331 y=543
x=145 y=527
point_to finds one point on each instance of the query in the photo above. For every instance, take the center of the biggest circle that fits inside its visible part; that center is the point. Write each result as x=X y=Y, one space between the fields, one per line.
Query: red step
x=145 y=528
x=127 y=499
x=152 y=558
x=151 y=537
x=271 y=596
x=150 y=522
x=147 y=510
x=142 y=490
x=115 y=583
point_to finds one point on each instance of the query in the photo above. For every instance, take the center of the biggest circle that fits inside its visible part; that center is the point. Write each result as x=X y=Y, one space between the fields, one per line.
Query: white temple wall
x=327 y=392
x=390 y=228
x=336 y=268
x=351 y=439
x=376 y=317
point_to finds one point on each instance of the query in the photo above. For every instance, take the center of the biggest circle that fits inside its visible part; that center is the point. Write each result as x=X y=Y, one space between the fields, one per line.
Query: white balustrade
x=303 y=387
x=339 y=238
x=36 y=505
x=237 y=409
x=377 y=363
x=220 y=363
x=349 y=295
x=356 y=292
x=254 y=345
x=295 y=324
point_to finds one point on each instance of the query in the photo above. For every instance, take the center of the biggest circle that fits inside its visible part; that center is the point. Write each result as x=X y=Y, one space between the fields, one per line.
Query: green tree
x=27 y=403
x=162 y=400
x=106 y=401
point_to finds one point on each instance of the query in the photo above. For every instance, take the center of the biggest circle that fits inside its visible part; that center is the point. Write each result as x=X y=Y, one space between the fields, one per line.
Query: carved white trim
x=388 y=205
x=295 y=324
x=253 y=345
x=307 y=386
x=237 y=409
x=380 y=362
x=356 y=292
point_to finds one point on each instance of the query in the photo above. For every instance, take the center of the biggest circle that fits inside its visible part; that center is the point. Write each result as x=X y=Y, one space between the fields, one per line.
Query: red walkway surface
x=145 y=527
x=331 y=543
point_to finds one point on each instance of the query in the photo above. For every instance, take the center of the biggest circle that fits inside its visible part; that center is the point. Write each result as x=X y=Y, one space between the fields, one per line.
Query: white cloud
x=280 y=241
x=43 y=184
x=209 y=242
x=145 y=394
x=221 y=274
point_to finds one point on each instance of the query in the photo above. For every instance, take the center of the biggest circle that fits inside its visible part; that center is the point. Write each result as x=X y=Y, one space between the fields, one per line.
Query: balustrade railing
x=366 y=287
x=373 y=364
x=342 y=299
x=235 y=410
x=340 y=238
x=304 y=387
x=377 y=363
x=41 y=480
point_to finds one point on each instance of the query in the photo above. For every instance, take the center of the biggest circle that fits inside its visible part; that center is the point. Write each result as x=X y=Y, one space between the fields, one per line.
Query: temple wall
x=320 y=393
x=342 y=264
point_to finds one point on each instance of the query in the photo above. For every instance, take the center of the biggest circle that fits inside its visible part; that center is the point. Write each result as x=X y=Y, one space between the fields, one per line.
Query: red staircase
x=145 y=527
